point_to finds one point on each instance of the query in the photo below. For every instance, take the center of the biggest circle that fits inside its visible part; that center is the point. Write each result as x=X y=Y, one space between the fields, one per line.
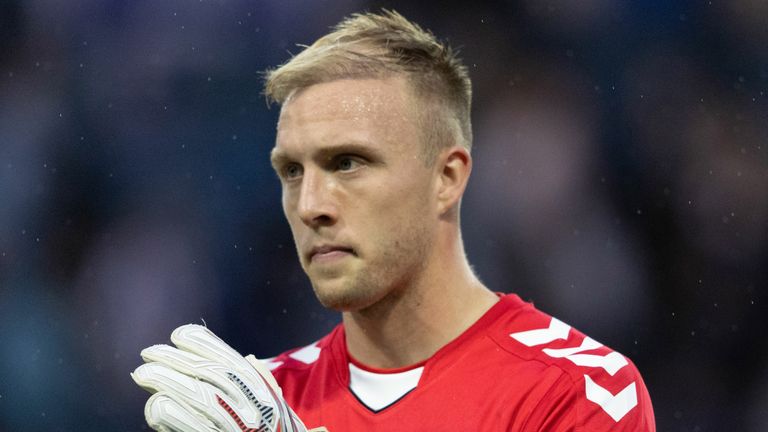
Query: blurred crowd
x=620 y=183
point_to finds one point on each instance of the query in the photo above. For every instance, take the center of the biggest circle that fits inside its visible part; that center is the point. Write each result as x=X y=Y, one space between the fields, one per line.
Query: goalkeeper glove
x=204 y=385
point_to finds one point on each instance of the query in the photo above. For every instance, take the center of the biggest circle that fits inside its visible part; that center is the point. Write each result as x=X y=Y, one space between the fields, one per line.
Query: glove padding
x=204 y=385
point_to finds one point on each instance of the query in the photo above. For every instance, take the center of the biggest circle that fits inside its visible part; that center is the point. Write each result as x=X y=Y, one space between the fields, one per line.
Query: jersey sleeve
x=595 y=402
x=598 y=390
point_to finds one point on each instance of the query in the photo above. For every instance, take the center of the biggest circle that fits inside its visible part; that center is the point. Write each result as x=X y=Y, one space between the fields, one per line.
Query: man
x=373 y=154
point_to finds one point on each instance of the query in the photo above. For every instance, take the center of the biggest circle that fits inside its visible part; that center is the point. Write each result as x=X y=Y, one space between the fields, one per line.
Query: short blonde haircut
x=383 y=45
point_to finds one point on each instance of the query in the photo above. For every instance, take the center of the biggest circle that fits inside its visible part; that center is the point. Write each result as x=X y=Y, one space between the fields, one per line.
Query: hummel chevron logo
x=616 y=406
x=308 y=354
x=611 y=362
x=557 y=330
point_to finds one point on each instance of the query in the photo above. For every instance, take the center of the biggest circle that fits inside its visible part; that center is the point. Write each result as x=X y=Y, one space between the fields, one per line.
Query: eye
x=347 y=163
x=292 y=171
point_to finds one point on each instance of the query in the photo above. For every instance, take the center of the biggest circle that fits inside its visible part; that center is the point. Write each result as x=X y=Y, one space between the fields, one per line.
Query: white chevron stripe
x=615 y=406
x=612 y=362
x=271 y=363
x=556 y=330
x=587 y=344
x=308 y=354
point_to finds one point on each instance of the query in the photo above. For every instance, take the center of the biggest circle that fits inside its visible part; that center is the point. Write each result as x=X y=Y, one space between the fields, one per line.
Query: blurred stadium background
x=621 y=184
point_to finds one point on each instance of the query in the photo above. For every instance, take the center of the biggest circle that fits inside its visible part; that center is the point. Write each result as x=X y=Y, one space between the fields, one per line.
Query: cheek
x=289 y=201
x=289 y=210
x=398 y=211
x=285 y=201
x=411 y=199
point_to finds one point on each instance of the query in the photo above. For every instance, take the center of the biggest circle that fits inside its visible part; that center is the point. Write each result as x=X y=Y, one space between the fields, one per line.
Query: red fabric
x=484 y=380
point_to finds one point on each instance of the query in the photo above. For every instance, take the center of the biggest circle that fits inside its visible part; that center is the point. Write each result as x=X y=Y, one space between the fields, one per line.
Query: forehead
x=354 y=109
x=348 y=97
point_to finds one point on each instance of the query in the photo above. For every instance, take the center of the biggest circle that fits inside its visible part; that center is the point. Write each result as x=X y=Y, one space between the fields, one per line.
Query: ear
x=454 y=165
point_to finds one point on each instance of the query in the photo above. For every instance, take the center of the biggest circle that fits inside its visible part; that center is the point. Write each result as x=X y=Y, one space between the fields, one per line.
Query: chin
x=345 y=297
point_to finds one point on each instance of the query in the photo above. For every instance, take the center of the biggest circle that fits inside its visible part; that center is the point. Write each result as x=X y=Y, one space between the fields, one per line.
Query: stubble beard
x=399 y=265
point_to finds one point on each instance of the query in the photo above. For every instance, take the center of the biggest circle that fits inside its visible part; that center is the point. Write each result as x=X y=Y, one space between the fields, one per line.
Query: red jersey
x=515 y=369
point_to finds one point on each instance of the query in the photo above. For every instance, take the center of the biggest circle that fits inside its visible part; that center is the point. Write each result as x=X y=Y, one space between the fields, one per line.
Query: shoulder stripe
x=556 y=330
x=616 y=406
x=271 y=363
x=587 y=344
x=611 y=362
x=307 y=355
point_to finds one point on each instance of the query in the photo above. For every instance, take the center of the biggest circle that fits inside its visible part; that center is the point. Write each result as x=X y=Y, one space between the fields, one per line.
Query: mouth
x=329 y=253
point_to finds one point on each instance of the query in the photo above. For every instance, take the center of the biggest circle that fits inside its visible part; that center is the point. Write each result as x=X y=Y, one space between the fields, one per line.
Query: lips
x=329 y=251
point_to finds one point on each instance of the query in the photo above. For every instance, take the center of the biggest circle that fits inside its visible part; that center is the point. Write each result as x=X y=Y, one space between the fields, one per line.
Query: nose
x=316 y=206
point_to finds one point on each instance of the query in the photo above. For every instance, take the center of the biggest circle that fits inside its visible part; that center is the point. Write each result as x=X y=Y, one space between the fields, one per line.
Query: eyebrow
x=279 y=157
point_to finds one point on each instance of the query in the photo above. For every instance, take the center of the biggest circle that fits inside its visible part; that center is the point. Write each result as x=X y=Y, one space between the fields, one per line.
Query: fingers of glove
x=201 y=341
x=201 y=397
x=244 y=388
x=192 y=365
x=156 y=377
x=165 y=413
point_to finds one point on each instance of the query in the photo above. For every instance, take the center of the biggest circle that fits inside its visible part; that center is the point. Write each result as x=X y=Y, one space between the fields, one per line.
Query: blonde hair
x=383 y=45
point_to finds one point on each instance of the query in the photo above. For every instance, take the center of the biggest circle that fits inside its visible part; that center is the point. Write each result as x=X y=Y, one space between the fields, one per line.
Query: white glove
x=204 y=385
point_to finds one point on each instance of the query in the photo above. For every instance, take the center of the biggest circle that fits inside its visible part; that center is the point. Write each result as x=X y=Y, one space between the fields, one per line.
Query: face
x=356 y=191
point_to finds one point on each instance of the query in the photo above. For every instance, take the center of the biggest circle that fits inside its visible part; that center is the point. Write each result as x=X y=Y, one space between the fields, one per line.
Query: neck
x=413 y=322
